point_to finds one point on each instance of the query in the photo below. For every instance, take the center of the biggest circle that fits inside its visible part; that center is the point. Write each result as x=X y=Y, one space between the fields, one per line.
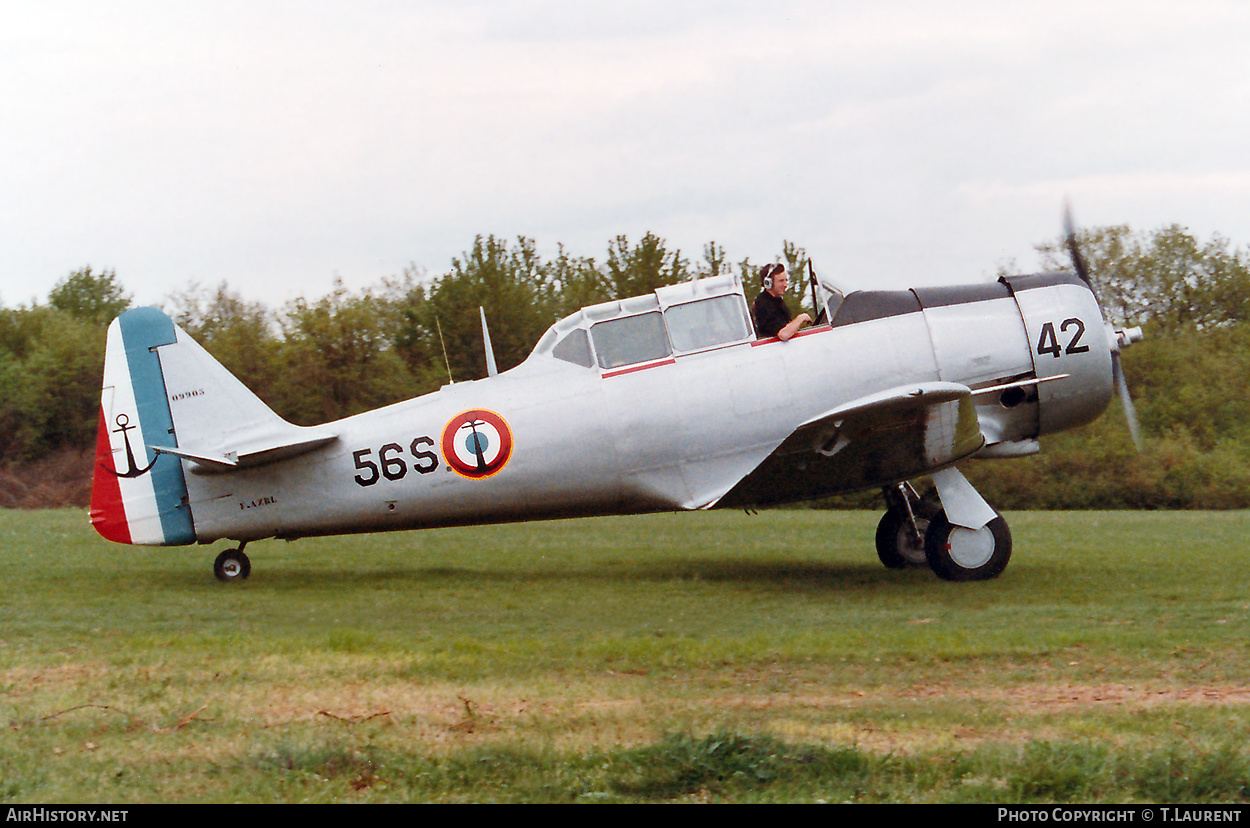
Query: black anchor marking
x=123 y=425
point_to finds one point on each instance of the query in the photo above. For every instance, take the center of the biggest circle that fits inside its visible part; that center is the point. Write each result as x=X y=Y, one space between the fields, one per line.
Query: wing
x=872 y=441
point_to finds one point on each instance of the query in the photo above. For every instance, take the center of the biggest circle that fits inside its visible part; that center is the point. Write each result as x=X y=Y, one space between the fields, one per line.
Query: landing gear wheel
x=232 y=565
x=897 y=544
x=958 y=554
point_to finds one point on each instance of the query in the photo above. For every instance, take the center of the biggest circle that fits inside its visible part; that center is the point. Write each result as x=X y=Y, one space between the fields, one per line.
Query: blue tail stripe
x=143 y=330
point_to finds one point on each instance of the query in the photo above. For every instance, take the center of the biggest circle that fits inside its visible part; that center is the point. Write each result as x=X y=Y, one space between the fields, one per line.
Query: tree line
x=316 y=360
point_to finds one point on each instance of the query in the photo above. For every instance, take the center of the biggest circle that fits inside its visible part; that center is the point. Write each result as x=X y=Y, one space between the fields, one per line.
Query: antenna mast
x=446 y=361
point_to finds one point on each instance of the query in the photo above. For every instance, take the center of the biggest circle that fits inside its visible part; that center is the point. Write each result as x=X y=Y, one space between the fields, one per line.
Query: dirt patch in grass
x=284 y=700
x=444 y=715
x=1073 y=695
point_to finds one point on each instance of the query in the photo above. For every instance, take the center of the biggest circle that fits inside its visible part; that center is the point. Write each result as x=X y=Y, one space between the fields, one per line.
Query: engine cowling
x=1070 y=348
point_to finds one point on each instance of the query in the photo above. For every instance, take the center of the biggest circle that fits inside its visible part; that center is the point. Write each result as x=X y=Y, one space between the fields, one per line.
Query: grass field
x=698 y=657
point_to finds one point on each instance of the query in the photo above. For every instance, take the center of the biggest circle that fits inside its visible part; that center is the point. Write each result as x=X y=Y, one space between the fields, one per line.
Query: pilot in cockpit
x=770 y=313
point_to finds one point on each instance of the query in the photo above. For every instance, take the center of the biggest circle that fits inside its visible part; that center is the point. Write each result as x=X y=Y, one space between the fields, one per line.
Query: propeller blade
x=1074 y=250
x=1123 y=338
x=1130 y=413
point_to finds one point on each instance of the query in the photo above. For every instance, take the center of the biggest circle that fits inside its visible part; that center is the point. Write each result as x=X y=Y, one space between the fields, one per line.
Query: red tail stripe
x=108 y=513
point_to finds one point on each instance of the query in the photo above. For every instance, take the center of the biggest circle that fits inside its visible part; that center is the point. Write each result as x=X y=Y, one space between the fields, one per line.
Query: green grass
x=705 y=657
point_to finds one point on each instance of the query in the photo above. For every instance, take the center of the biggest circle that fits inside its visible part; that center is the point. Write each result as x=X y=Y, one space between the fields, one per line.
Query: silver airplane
x=662 y=402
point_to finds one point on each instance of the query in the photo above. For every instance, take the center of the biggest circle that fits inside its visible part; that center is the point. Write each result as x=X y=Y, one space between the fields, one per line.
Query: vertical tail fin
x=137 y=495
x=168 y=407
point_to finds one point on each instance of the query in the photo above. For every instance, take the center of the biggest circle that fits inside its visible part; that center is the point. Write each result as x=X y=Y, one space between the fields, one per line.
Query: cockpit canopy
x=679 y=319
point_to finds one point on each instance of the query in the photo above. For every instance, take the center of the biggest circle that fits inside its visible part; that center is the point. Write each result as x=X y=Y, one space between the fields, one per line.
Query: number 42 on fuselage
x=662 y=402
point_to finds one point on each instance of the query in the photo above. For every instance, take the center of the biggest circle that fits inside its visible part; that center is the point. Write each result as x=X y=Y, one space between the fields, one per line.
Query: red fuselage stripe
x=639 y=368
x=807 y=332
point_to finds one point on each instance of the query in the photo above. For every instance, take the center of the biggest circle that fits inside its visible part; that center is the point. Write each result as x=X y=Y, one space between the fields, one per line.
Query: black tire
x=896 y=545
x=958 y=554
x=232 y=565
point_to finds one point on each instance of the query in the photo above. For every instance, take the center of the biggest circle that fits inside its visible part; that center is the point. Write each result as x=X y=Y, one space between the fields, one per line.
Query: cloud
x=279 y=145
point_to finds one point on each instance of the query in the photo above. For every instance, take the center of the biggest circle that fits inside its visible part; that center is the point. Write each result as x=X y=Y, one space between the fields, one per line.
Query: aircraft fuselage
x=552 y=438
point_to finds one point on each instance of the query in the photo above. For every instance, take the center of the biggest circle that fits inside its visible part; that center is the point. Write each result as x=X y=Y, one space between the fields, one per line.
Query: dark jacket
x=770 y=314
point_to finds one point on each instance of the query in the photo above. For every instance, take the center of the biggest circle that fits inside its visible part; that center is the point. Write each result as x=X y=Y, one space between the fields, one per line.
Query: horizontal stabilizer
x=257 y=454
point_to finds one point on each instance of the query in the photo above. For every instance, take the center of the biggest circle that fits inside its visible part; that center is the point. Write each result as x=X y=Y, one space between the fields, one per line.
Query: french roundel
x=477 y=443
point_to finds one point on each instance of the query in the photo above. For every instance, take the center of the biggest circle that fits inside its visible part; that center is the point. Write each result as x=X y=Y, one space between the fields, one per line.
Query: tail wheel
x=232 y=565
x=958 y=554
x=898 y=544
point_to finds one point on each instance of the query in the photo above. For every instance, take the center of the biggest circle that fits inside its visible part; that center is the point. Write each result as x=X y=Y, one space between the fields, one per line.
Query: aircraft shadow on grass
x=799 y=575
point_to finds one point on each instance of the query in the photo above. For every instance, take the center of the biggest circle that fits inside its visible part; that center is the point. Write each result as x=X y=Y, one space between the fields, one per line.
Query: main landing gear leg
x=901 y=532
x=967 y=540
x=232 y=565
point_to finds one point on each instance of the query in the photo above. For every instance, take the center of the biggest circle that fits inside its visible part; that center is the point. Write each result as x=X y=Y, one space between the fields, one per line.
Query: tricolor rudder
x=137 y=495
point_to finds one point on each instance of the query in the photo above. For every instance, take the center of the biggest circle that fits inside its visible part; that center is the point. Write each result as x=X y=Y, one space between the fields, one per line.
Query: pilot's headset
x=768 y=272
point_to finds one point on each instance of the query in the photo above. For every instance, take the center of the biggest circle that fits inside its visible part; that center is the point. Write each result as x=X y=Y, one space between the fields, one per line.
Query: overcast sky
x=278 y=145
